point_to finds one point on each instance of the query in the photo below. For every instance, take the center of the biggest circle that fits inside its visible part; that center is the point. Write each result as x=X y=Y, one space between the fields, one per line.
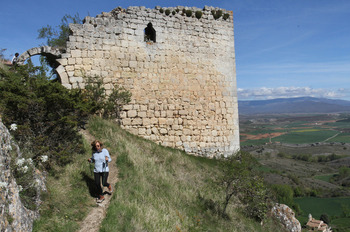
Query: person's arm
x=92 y=160
x=107 y=156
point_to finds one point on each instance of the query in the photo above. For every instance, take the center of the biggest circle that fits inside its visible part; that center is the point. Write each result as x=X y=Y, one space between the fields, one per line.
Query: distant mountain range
x=293 y=105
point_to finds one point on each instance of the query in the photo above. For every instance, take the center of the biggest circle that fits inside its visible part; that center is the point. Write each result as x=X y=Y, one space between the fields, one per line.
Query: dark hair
x=93 y=144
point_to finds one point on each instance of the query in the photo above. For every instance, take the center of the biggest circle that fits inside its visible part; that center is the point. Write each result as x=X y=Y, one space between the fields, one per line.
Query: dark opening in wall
x=150 y=33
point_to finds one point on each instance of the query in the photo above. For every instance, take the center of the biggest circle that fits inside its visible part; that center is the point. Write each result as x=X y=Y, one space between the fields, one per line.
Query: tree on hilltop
x=57 y=36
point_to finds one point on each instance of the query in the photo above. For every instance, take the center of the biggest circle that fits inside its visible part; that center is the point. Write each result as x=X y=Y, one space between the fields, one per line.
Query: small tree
x=108 y=106
x=240 y=180
x=113 y=105
x=57 y=36
x=324 y=217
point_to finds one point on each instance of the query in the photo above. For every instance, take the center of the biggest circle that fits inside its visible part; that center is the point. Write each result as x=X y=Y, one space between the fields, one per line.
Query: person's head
x=96 y=145
x=17 y=54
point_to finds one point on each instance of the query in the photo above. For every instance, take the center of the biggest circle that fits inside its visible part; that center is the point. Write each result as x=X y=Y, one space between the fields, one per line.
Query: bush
x=239 y=179
x=108 y=106
x=226 y=16
x=167 y=12
x=199 y=14
x=303 y=157
x=47 y=115
x=283 y=193
x=324 y=217
x=161 y=10
x=188 y=13
x=216 y=14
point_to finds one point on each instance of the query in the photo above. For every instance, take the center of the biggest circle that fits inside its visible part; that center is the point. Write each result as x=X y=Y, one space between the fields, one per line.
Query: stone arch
x=53 y=54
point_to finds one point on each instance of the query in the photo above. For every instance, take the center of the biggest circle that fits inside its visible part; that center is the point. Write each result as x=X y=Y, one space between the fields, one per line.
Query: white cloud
x=290 y=92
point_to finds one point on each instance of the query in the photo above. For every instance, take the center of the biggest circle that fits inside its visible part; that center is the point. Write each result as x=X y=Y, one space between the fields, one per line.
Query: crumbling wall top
x=207 y=12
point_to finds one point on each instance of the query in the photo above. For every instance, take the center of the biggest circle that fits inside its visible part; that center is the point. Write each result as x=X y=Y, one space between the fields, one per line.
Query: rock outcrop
x=287 y=217
x=13 y=215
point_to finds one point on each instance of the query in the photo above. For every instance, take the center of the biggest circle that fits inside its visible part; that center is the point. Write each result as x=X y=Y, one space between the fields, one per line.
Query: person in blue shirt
x=101 y=158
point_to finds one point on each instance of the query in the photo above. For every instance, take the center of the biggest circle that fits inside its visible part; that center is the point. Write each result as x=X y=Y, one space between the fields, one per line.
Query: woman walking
x=101 y=158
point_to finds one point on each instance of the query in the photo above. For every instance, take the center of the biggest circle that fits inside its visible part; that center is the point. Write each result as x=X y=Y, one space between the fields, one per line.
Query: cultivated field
x=309 y=153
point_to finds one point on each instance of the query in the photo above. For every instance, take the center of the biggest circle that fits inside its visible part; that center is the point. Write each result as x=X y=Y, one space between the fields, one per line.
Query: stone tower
x=179 y=65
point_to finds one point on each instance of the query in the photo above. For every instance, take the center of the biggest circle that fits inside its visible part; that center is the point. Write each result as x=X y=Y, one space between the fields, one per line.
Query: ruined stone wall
x=183 y=85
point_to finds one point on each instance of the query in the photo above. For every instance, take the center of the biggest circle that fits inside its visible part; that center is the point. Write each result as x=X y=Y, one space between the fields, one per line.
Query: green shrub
x=226 y=16
x=167 y=12
x=303 y=157
x=161 y=10
x=216 y=14
x=47 y=114
x=239 y=179
x=108 y=106
x=199 y=14
x=188 y=13
x=174 y=12
x=284 y=193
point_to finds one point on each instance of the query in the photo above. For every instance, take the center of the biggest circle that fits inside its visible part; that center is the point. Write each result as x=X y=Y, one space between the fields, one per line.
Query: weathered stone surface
x=13 y=215
x=287 y=217
x=182 y=84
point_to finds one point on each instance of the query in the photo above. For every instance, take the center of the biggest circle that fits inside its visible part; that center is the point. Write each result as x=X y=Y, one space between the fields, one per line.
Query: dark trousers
x=98 y=177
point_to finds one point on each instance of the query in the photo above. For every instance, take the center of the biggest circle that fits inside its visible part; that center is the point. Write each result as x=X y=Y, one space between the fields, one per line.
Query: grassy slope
x=158 y=188
x=68 y=199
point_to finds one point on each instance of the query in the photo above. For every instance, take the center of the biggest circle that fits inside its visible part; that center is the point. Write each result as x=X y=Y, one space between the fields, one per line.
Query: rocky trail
x=93 y=220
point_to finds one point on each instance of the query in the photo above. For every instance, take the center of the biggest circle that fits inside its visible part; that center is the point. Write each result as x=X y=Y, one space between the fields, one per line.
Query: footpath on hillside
x=93 y=220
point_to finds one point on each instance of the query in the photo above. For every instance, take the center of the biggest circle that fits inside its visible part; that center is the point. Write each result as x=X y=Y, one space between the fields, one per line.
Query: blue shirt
x=101 y=165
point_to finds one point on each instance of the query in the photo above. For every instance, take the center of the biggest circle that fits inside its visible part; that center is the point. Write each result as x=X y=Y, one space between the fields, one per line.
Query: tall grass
x=68 y=199
x=162 y=189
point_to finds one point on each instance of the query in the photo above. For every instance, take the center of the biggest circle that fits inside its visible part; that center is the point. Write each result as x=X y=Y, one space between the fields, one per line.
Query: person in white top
x=15 y=60
x=101 y=158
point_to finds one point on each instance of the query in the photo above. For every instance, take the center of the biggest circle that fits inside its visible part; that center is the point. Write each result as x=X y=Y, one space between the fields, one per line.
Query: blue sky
x=284 y=48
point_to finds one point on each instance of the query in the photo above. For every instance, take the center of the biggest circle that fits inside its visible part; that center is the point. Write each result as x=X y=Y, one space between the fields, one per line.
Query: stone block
x=76 y=53
x=163 y=131
x=142 y=114
x=162 y=121
x=142 y=131
x=132 y=113
x=137 y=121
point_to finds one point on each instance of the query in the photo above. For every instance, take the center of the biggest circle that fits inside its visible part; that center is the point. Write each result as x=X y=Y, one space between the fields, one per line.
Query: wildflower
x=37 y=182
x=44 y=158
x=3 y=185
x=20 y=188
x=20 y=162
x=24 y=169
x=30 y=161
x=13 y=127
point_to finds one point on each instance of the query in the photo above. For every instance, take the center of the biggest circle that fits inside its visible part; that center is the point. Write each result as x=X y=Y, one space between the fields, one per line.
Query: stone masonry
x=183 y=84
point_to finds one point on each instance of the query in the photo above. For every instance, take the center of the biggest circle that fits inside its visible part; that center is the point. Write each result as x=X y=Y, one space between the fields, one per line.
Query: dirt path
x=93 y=220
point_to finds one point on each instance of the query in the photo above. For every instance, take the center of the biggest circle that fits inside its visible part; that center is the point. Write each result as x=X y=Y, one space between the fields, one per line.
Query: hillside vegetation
x=159 y=189
x=162 y=189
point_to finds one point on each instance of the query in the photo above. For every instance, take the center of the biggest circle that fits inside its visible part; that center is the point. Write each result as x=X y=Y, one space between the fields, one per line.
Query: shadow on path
x=90 y=183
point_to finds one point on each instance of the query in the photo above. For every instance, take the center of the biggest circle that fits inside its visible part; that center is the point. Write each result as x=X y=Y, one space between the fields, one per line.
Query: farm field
x=294 y=129
x=306 y=153
x=333 y=207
